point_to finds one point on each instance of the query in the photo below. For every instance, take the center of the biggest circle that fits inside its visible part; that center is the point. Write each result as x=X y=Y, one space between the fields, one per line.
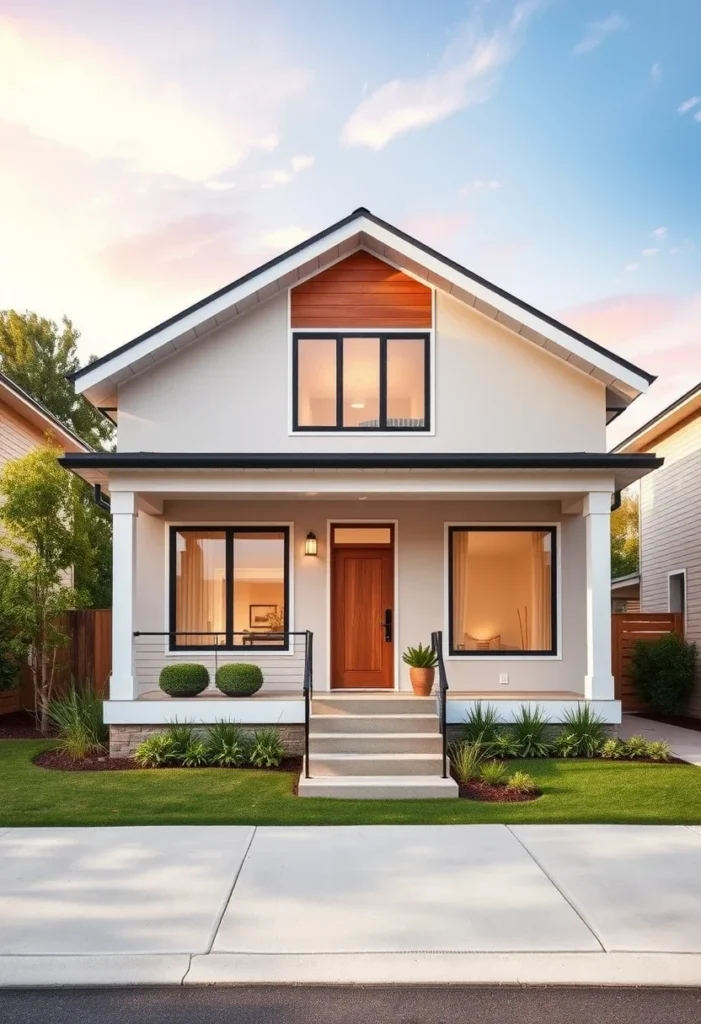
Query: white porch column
x=598 y=682
x=124 y=512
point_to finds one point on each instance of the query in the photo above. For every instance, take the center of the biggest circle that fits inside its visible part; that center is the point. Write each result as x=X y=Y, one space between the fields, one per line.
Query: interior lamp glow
x=310 y=544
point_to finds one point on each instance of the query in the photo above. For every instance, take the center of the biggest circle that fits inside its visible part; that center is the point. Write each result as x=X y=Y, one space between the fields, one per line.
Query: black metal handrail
x=308 y=689
x=441 y=695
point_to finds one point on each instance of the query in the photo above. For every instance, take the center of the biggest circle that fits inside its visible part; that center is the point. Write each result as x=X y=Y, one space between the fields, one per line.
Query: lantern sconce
x=310 y=544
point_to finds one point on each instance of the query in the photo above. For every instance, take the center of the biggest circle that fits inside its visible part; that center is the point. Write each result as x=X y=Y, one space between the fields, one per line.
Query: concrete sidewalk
x=374 y=904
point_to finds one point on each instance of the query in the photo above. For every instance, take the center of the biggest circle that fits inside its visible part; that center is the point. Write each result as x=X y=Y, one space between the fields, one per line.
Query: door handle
x=388 y=625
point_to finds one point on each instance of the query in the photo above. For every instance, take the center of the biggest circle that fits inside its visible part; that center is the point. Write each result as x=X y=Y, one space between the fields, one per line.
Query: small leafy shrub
x=78 y=718
x=663 y=672
x=503 y=745
x=268 y=750
x=521 y=782
x=565 y=745
x=529 y=732
x=239 y=679
x=586 y=729
x=227 y=745
x=481 y=724
x=156 y=751
x=659 y=750
x=635 y=748
x=613 y=749
x=466 y=759
x=494 y=773
x=195 y=754
x=420 y=657
x=183 y=680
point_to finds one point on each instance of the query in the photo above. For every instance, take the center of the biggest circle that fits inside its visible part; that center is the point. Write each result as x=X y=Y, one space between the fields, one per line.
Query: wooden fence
x=87 y=658
x=625 y=630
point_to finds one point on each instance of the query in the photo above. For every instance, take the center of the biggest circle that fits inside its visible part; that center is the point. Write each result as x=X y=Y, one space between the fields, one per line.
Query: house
x=670 y=516
x=625 y=593
x=25 y=424
x=357 y=445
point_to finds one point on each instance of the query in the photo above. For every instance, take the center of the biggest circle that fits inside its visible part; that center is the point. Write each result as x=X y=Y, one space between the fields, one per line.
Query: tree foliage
x=36 y=355
x=625 y=541
x=44 y=517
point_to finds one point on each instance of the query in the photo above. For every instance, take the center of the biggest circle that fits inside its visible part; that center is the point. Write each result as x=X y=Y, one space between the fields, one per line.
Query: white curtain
x=540 y=625
x=461 y=540
x=200 y=594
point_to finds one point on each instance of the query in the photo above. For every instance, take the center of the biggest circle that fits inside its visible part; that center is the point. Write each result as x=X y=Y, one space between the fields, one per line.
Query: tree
x=13 y=647
x=625 y=537
x=44 y=517
x=36 y=355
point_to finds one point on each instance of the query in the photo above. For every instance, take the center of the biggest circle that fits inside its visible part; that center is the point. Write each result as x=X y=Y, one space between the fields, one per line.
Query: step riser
x=321 y=767
x=375 y=744
x=373 y=705
x=422 y=725
x=363 y=791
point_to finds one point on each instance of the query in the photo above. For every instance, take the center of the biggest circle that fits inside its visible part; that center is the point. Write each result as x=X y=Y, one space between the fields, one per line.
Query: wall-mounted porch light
x=310 y=544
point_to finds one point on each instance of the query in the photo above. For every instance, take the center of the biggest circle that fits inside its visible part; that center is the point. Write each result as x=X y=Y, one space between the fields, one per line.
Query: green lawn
x=573 y=791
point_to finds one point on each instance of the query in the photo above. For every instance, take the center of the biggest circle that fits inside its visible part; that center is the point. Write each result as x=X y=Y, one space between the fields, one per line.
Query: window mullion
x=339 y=382
x=229 y=576
x=383 y=382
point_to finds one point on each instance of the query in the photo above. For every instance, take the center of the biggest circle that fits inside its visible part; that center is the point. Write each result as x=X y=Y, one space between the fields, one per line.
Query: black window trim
x=516 y=528
x=383 y=336
x=228 y=532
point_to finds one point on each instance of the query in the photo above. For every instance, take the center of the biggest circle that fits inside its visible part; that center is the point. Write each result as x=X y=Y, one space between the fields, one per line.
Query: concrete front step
x=373 y=704
x=380 y=787
x=423 y=724
x=334 y=765
x=375 y=743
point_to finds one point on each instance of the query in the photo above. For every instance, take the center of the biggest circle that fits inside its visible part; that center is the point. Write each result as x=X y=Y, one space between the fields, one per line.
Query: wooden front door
x=362 y=617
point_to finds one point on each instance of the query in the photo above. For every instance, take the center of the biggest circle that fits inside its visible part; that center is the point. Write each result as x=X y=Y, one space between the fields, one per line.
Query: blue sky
x=154 y=151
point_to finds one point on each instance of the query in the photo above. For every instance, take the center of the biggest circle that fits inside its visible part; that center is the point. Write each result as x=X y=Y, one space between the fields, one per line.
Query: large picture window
x=502 y=590
x=361 y=382
x=229 y=587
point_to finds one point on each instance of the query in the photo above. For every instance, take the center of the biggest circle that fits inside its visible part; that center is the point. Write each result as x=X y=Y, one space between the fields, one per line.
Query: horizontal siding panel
x=361 y=291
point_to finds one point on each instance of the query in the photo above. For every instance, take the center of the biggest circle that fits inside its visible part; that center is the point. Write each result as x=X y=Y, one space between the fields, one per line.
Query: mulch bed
x=20 y=725
x=57 y=760
x=477 y=790
x=684 y=721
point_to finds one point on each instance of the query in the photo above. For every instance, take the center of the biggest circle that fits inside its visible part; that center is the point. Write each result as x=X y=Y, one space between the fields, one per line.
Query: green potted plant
x=183 y=680
x=422 y=663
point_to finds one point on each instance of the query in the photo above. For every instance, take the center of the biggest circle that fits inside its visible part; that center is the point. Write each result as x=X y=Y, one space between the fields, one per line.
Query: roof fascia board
x=204 y=319
x=16 y=398
x=511 y=309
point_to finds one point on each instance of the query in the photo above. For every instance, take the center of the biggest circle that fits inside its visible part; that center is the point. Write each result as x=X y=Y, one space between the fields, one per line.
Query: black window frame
x=384 y=337
x=485 y=528
x=228 y=532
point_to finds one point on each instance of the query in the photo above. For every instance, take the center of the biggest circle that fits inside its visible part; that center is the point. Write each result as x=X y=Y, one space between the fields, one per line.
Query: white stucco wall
x=420 y=604
x=493 y=391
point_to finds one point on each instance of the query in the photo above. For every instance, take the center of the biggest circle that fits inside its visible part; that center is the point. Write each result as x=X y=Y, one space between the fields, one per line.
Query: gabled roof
x=669 y=417
x=29 y=409
x=360 y=230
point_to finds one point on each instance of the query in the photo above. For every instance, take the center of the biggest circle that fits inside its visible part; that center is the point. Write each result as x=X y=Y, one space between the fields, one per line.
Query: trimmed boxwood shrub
x=239 y=679
x=663 y=672
x=186 y=680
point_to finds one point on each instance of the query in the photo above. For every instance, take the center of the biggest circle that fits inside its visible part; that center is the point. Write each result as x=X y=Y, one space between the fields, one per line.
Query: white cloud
x=656 y=72
x=697 y=117
x=480 y=185
x=649 y=252
x=631 y=268
x=281 y=239
x=598 y=31
x=467 y=74
x=659 y=233
x=301 y=163
x=219 y=186
x=689 y=104
x=74 y=92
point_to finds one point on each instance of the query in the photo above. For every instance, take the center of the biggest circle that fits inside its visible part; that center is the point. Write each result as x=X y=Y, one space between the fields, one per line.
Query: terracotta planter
x=422 y=680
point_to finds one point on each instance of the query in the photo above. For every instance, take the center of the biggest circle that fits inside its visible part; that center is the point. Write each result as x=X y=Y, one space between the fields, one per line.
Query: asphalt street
x=351 y=1005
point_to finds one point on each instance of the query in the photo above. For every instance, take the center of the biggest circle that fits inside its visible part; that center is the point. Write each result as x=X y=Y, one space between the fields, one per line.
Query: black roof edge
x=363 y=212
x=43 y=410
x=659 y=416
x=369 y=460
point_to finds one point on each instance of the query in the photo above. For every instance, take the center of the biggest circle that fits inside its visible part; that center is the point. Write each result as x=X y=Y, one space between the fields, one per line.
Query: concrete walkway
x=379 y=904
x=685 y=743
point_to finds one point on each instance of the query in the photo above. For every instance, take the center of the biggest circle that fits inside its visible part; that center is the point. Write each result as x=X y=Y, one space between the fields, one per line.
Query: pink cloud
x=621 y=318
x=436 y=228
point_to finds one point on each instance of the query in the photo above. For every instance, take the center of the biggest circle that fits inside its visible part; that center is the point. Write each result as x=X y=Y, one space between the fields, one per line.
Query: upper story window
x=372 y=382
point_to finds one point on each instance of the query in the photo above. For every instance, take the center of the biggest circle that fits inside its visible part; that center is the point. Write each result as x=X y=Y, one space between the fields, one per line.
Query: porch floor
x=485 y=695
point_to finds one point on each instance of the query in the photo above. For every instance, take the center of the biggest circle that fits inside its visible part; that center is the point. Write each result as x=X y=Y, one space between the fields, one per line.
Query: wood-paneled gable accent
x=361 y=291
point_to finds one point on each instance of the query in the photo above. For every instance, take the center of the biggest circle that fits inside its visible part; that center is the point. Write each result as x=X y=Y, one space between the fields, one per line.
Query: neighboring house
x=364 y=440
x=670 y=515
x=625 y=593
